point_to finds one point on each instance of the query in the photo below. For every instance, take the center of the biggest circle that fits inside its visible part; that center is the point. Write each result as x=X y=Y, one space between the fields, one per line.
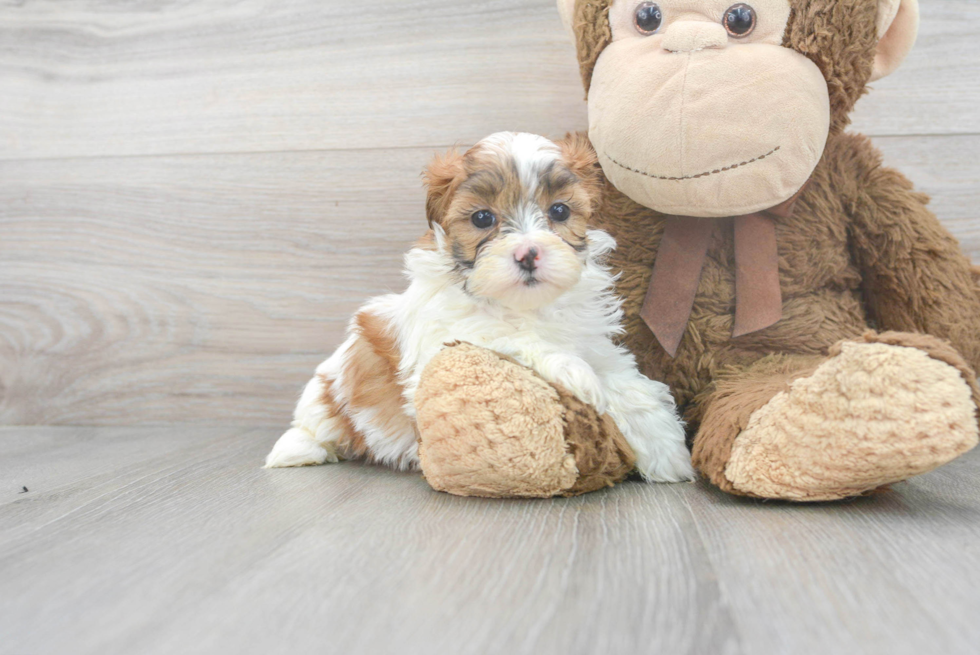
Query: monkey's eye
x=483 y=219
x=739 y=20
x=648 y=18
x=559 y=212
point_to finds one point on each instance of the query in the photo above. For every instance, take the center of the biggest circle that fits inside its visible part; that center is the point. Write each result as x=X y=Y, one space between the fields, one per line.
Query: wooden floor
x=175 y=541
x=194 y=198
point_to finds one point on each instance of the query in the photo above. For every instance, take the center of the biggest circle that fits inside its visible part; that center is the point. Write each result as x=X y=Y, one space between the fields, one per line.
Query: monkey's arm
x=916 y=278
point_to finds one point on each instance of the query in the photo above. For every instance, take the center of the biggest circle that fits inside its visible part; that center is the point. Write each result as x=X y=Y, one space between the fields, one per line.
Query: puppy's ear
x=580 y=158
x=442 y=178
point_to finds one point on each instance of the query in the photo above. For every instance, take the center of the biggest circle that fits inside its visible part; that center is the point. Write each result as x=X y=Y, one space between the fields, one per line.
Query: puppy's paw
x=578 y=377
x=657 y=437
x=668 y=463
x=298 y=448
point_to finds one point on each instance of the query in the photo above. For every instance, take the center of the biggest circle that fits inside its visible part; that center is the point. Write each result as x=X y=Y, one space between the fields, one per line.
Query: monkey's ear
x=566 y=8
x=898 y=25
x=441 y=179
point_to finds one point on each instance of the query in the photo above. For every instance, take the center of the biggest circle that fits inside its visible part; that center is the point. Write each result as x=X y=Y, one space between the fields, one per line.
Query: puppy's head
x=512 y=213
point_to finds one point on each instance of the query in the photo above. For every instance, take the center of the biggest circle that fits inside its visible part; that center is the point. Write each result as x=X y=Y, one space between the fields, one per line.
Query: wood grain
x=182 y=544
x=81 y=78
x=948 y=169
x=190 y=289
x=84 y=78
x=206 y=288
x=140 y=286
x=937 y=89
x=194 y=197
x=894 y=573
x=196 y=549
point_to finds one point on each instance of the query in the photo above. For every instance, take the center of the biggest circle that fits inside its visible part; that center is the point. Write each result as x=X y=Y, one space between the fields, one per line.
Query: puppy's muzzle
x=527 y=259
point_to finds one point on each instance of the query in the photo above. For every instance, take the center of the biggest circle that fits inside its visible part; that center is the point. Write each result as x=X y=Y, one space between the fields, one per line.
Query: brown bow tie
x=677 y=273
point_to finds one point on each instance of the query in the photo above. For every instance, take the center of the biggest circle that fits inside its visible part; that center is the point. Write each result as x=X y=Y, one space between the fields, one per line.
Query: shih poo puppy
x=509 y=264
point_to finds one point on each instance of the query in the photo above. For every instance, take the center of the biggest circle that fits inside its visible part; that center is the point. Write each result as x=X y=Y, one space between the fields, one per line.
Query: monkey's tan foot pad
x=872 y=415
x=491 y=427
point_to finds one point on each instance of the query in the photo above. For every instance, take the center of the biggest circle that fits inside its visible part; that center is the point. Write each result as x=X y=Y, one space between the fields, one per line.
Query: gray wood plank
x=937 y=89
x=894 y=573
x=200 y=551
x=66 y=468
x=85 y=78
x=185 y=289
x=946 y=168
x=54 y=457
x=195 y=549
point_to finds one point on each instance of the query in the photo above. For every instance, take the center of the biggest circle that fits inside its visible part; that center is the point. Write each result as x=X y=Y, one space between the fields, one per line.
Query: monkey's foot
x=873 y=414
x=491 y=427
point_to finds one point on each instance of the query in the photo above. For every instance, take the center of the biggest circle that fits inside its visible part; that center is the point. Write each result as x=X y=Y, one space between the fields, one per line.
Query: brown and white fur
x=531 y=286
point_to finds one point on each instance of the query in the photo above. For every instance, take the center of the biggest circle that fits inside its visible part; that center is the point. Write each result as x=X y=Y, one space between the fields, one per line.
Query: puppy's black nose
x=527 y=263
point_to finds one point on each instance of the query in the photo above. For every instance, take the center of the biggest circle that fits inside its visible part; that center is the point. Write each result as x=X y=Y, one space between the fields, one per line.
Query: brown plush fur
x=860 y=251
x=935 y=348
x=601 y=453
x=874 y=413
x=840 y=37
x=590 y=23
x=490 y=427
x=730 y=401
x=735 y=395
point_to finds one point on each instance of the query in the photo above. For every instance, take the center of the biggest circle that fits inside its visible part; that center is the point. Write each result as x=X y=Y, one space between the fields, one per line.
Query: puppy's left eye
x=483 y=219
x=559 y=212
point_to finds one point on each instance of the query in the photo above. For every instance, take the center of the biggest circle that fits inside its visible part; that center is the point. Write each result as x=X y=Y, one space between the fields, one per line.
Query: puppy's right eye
x=483 y=219
x=559 y=212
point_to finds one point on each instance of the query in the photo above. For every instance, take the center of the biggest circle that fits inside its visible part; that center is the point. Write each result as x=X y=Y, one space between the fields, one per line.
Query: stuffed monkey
x=818 y=325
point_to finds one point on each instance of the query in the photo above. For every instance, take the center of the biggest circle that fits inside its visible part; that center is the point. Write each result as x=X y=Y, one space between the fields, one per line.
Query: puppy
x=509 y=264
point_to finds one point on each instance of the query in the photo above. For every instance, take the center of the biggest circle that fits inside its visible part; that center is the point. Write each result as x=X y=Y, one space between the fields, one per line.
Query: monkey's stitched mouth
x=692 y=177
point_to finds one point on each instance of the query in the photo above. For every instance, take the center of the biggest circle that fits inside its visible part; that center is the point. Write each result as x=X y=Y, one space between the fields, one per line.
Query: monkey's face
x=697 y=109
